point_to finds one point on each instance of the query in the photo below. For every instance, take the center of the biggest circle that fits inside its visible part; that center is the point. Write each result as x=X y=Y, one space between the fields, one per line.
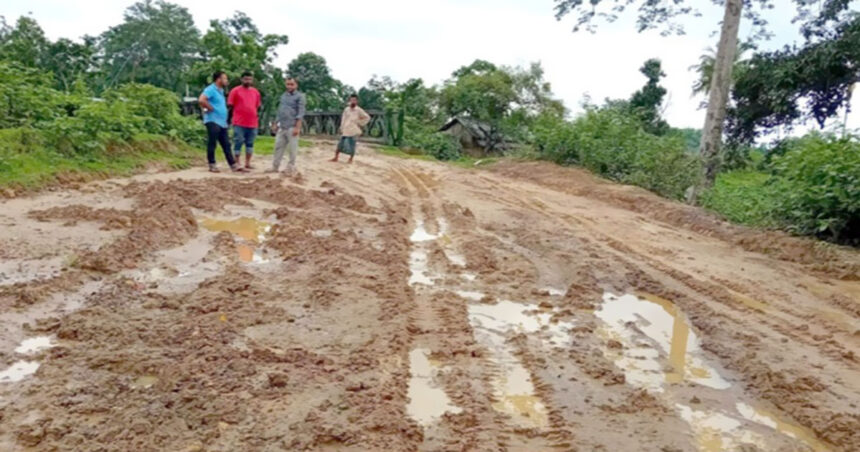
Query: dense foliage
x=811 y=187
x=70 y=105
x=614 y=142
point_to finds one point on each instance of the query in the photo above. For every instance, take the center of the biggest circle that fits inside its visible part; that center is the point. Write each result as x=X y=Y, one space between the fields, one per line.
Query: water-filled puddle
x=251 y=230
x=506 y=316
x=768 y=419
x=513 y=387
x=322 y=233
x=654 y=332
x=716 y=432
x=427 y=401
x=18 y=371
x=419 y=268
x=144 y=382
x=555 y=292
x=420 y=234
x=473 y=295
x=34 y=344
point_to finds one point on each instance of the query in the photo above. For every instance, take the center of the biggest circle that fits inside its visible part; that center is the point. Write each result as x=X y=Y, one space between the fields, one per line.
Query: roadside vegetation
x=110 y=104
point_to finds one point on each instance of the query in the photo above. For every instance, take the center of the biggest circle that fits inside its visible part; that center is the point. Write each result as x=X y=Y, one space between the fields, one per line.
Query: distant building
x=472 y=134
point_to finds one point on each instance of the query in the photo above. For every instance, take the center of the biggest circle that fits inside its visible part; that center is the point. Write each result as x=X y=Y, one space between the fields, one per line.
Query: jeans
x=284 y=141
x=246 y=136
x=218 y=135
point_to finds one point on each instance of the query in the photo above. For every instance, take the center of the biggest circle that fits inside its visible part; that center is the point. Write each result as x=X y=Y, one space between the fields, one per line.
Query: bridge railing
x=327 y=123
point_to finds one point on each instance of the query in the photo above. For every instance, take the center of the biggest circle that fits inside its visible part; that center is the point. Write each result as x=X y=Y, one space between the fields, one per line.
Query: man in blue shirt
x=214 y=105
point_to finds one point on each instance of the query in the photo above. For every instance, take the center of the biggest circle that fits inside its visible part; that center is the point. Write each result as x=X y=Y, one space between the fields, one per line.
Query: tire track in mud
x=446 y=333
x=634 y=262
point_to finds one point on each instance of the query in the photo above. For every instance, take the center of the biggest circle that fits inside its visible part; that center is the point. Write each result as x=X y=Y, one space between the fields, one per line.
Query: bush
x=611 y=141
x=27 y=97
x=742 y=196
x=438 y=145
x=811 y=187
x=817 y=186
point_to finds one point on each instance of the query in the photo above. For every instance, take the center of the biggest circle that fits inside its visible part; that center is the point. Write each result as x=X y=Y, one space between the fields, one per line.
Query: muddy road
x=408 y=305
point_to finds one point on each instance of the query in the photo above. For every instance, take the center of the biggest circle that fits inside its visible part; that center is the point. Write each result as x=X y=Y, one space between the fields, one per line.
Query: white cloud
x=430 y=39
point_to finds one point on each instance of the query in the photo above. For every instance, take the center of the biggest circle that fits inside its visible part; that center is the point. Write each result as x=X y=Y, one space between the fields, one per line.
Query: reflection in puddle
x=513 y=387
x=18 y=371
x=662 y=324
x=554 y=292
x=717 y=432
x=249 y=229
x=507 y=316
x=470 y=294
x=427 y=402
x=34 y=344
x=144 y=382
x=420 y=234
x=419 y=268
x=321 y=233
x=251 y=255
x=763 y=417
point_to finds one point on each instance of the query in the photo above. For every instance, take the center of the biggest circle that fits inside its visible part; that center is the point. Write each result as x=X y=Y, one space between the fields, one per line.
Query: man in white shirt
x=351 y=122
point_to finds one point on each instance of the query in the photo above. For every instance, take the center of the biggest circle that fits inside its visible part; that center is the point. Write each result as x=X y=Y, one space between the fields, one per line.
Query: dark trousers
x=218 y=135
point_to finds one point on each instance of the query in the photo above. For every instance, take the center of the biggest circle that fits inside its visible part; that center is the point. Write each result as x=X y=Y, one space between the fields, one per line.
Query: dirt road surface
x=401 y=305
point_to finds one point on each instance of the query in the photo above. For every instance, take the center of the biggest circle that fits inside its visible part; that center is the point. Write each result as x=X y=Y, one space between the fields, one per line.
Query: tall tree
x=781 y=88
x=235 y=45
x=646 y=102
x=323 y=91
x=664 y=14
x=157 y=43
x=25 y=43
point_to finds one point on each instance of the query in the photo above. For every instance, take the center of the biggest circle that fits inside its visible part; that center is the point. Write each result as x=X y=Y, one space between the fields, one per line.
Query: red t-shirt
x=245 y=102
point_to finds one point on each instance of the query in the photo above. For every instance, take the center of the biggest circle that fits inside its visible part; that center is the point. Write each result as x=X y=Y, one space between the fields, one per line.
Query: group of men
x=245 y=101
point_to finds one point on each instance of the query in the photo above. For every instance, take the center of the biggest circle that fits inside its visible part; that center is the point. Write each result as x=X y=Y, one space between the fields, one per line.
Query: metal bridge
x=327 y=123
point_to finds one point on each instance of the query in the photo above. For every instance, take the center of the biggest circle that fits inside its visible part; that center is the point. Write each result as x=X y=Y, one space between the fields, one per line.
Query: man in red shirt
x=245 y=102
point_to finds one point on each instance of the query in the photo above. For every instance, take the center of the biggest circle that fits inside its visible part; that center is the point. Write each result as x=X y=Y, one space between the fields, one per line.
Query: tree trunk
x=712 y=134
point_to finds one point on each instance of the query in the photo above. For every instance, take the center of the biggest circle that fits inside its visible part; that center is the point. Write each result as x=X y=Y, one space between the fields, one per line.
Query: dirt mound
x=817 y=256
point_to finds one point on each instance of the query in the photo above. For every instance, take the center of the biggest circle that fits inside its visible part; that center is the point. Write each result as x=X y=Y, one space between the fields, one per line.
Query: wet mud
x=407 y=305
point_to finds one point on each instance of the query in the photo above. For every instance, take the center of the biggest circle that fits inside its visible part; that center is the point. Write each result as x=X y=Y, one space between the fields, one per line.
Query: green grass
x=27 y=164
x=265 y=145
x=742 y=196
x=393 y=151
x=416 y=154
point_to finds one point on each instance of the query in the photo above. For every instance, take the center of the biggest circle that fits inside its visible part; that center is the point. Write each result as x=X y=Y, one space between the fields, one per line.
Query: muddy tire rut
x=406 y=305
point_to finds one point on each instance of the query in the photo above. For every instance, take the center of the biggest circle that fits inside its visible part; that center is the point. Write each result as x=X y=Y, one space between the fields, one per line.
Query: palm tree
x=705 y=67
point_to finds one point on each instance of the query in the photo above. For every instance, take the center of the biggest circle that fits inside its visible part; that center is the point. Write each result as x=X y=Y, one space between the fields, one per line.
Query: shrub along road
x=401 y=304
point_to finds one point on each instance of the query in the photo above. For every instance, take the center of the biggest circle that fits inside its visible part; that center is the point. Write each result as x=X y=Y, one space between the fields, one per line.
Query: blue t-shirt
x=218 y=115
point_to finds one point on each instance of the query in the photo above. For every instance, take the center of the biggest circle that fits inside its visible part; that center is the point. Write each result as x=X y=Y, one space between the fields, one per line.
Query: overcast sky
x=429 y=39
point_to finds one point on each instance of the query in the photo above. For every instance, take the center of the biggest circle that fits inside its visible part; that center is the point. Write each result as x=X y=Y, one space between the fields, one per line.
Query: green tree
x=781 y=88
x=323 y=91
x=157 y=43
x=72 y=61
x=646 y=102
x=25 y=43
x=235 y=45
x=664 y=13
x=483 y=92
x=705 y=67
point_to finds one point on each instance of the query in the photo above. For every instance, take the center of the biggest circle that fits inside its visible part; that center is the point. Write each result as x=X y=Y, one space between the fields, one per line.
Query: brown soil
x=406 y=305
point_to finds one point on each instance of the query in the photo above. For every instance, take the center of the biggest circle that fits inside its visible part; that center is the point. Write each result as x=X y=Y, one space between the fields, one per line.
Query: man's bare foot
x=350 y=161
x=333 y=159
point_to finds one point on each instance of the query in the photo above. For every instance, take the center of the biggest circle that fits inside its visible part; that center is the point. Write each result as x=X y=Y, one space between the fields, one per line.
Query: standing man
x=351 y=122
x=245 y=101
x=291 y=112
x=214 y=107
